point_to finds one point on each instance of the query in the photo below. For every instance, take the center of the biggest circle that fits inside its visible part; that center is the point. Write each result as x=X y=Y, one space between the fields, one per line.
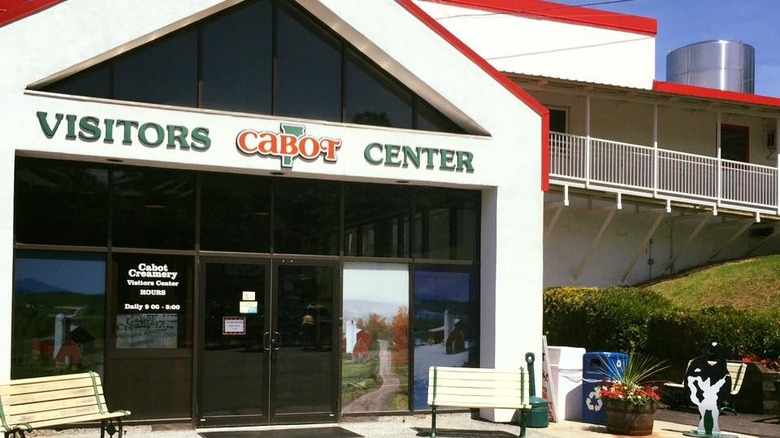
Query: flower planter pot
x=626 y=418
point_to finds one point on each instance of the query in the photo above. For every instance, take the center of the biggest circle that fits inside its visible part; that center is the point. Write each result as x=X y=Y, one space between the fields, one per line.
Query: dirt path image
x=382 y=398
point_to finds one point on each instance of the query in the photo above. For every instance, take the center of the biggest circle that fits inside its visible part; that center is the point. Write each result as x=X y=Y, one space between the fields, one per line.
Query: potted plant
x=630 y=396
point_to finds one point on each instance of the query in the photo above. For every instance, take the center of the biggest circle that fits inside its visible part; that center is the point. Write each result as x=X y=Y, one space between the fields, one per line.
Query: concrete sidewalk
x=450 y=425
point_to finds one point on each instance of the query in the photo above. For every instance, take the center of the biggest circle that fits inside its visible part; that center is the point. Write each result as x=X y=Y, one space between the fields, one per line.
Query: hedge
x=636 y=319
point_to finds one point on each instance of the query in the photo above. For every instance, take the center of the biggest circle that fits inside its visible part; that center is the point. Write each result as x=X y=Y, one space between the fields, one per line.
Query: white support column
x=511 y=283
x=6 y=258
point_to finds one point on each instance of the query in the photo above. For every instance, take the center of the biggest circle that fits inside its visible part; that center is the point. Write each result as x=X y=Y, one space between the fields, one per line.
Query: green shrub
x=628 y=319
x=611 y=319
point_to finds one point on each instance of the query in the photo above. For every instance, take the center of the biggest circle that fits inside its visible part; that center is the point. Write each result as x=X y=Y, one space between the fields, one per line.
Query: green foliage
x=611 y=319
x=628 y=319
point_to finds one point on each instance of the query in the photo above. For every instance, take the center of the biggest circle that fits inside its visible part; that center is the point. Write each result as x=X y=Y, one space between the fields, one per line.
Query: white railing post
x=655 y=150
x=777 y=183
x=587 y=141
x=719 y=178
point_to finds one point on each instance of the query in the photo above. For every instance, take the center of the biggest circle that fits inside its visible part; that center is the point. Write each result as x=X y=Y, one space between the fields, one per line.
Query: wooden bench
x=736 y=371
x=478 y=388
x=28 y=404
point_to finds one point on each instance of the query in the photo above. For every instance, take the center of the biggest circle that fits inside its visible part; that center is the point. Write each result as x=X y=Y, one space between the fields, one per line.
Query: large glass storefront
x=242 y=299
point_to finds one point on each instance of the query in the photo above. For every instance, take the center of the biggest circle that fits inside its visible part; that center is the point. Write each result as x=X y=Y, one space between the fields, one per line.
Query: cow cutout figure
x=707 y=385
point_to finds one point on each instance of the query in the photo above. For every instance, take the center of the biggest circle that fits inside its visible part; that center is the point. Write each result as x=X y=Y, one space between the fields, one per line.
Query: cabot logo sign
x=290 y=143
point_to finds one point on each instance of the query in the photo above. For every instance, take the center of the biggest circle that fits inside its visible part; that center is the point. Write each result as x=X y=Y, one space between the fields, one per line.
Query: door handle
x=267 y=341
x=276 y=341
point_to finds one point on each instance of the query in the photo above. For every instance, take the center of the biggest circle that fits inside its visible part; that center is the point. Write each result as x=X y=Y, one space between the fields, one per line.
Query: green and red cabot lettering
x=291 y=142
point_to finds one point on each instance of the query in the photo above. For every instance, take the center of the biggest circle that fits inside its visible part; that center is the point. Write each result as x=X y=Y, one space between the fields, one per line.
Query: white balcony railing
x=605 y=165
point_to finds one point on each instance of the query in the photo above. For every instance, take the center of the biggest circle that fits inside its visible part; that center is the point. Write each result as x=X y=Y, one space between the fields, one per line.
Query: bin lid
x=566 y=357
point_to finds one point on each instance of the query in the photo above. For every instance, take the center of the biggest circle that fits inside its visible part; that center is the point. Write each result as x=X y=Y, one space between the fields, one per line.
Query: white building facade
x=192 y=187
x=648 y=178
x=263 y=212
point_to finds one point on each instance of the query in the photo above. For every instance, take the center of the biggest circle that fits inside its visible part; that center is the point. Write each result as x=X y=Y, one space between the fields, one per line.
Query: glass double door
x=269 y=342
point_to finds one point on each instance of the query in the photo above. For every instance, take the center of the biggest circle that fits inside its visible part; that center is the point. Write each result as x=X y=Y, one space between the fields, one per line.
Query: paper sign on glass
x=248 y=295
x=247 y=307
x=233 y=325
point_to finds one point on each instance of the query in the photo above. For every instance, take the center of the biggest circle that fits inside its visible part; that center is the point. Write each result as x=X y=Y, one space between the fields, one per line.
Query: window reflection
x=446 y=224
x=262 y=57
x=446 y=309
x=306 y=217
x=310 y=85
x=373 y=99
x=61 y=203
x=165 y=72
x=237 y=60
x=377 y=220
x=153 y=208
x=93 y=82
x=235 y=213
x=59 y=313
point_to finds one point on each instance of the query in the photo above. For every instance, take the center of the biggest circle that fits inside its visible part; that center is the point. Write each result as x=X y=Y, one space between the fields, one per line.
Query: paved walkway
x=461 y=425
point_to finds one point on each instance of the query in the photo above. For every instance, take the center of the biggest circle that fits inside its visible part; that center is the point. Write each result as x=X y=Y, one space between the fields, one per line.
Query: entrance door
x=269 y=343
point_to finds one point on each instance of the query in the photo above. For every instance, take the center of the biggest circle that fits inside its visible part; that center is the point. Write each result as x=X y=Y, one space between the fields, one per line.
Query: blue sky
x=682 y=22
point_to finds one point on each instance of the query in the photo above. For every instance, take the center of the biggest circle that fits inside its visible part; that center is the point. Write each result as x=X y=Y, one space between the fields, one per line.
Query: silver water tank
x=720 y=64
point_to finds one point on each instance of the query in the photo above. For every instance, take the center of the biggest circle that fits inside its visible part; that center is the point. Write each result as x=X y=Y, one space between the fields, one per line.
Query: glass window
x=61 y=203
x=376 y=325
x=152 y=302
x=446 y=224
x=93 y=82
x=376 y=220
x=429 y=119
x=309 y=65
x=58 y=314
x=261 y=57
x=373 y=99
x=237 y=59
x=306 y=217
x=235 y=213
x=153 y=208
x=164 y=72
x=734 y=143
x=558 y=120
x=446 y=310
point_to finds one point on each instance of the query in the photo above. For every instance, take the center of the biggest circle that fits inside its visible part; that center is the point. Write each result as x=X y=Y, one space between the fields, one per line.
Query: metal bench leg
x=433 y=421
x=523 y=414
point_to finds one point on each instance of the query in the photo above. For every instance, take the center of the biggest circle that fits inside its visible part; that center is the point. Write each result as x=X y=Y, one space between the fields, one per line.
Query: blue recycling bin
x=595 y=366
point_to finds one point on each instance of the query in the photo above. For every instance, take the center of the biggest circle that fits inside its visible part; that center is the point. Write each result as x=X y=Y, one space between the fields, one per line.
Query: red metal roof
x=12 y=10
x=714 y=93
x=566 y=13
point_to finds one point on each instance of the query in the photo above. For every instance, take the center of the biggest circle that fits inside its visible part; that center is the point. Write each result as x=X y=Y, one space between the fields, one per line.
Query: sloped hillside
x=752 y=283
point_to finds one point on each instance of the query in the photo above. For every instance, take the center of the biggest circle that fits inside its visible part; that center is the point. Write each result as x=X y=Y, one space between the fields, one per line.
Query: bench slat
x=478 y=388
x=74 y=419
x=13 y=400
x=39 y=402
x=20 y=409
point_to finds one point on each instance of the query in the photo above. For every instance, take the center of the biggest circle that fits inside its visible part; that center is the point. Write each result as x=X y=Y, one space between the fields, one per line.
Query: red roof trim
x=498 y=76
x=13 y=10
x=713 y=93
x=566 y=13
